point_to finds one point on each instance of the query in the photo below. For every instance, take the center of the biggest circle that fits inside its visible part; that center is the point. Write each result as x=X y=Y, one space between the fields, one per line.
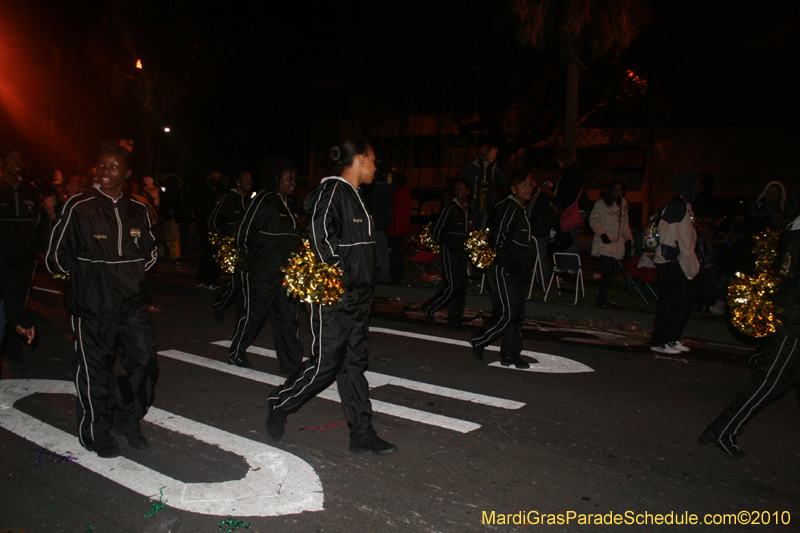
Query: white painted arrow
x=278 y=483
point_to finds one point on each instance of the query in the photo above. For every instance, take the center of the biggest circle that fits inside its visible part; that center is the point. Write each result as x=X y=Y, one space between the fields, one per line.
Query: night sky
x=237 y=84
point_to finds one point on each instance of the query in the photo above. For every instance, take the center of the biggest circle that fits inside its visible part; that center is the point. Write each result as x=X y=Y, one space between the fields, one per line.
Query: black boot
x=129 y=428
x=370 y=442
x=105 y=446
x=276 y=423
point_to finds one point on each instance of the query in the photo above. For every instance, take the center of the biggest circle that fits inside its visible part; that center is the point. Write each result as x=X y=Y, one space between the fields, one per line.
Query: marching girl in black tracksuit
x=268 y=235
x=510 y=237
x=342 y=234
x=451 y=231
x=103 y=240
x=225 y=220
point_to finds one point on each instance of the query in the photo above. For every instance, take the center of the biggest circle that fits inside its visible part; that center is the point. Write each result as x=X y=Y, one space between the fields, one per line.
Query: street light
x=166 y=129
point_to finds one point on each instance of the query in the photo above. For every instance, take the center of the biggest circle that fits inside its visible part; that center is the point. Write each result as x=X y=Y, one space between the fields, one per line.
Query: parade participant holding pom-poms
x=268 y=235
x=776 y=368
x=451 y=231
x=510 y=237
x=341 y=234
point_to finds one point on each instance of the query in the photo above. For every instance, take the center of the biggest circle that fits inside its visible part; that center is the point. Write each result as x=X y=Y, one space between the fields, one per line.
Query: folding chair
x=537 y=269
x=630 y=275
x=423 y=260
x=557 y=275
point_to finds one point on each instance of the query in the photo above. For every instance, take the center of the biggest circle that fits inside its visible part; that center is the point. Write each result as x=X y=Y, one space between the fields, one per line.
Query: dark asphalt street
x=594 y=428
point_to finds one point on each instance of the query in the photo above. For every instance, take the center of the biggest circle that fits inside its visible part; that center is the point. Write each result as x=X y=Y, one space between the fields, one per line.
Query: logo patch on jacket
x=135 y=233
x=358 y=220
x=100 y=236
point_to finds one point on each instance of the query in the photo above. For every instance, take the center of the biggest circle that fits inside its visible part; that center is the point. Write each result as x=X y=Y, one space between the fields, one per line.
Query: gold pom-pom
x=311 y=280
x=478 y=248
x=427 y=240
x=750 y=297
x=62 y=279
x=227 y=255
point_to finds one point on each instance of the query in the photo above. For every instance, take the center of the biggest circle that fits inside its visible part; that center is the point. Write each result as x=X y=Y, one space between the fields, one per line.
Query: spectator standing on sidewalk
x=612 y=234
x=542 y=214
x=103 y=240
x=677 y=265
x=572 y=205
x=483 y=176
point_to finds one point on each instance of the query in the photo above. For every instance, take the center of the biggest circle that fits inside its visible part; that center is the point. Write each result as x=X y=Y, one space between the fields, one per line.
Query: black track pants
x=674 y=306
x=95 y=342
x=259 y=299
x=339 y=350
x=454 y=290
x=777 y=373
x=508 y=311
x=232 y=293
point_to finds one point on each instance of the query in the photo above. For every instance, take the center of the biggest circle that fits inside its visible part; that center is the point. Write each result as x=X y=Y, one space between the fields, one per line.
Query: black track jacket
x=452 y=227
x=106 y=246
x=229 y=212
x=268 y=235
x=510 y=237
x=341 y=231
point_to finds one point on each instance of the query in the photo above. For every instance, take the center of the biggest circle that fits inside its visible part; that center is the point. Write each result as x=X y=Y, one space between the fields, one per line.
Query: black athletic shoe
x=243 y=362
x=372 y=443
x=477 y=353
x=276 y=423
x=105 y=446
x=219 y=315
x=430 y=318
x=130 y=429
x=726 y=443
x=515 y=361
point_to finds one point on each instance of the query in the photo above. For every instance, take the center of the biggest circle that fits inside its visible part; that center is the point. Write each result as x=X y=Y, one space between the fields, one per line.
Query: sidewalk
x=713 y=330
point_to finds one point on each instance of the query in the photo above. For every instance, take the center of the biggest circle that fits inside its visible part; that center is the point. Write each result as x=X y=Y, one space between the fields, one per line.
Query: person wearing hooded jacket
x=769 y=210
x=612 y=234
x=677 y=264
x=777 y=366
x=451 y=231
x=341 y=233
x=511 y=238
x=103 y=240
x=268 y=235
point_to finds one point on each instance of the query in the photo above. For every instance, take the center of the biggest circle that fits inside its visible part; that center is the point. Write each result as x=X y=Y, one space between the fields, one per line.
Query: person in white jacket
x=612 y=234
x=677 y=264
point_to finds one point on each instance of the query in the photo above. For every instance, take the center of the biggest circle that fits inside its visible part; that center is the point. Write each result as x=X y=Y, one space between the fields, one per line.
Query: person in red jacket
x=401 y=226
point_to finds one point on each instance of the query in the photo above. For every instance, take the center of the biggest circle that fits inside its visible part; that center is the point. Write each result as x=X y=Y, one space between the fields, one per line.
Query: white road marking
x=547 y=363
x=43 y=289
x=331 y=393
x=278 y=483
x=376 y=379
